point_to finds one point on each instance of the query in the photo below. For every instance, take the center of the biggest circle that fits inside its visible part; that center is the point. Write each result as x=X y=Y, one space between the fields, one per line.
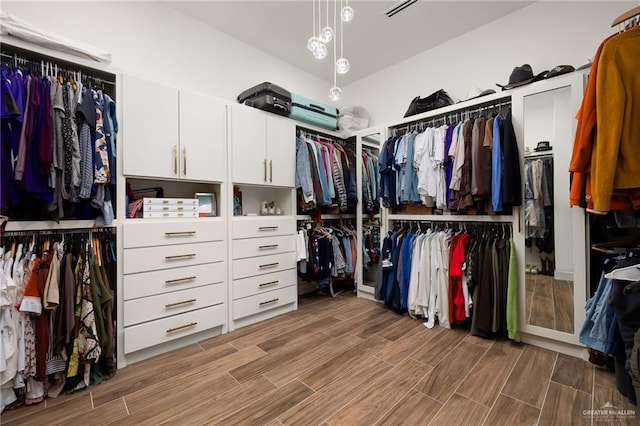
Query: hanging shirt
x=496 y=165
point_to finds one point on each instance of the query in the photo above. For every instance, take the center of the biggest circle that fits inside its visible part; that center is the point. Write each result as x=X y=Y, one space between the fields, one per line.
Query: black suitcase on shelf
x=268 y=97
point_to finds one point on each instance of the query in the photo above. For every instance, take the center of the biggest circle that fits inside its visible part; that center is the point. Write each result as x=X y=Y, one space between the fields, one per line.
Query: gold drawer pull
x=180 y=280
x=269 y=283
x=271 y=246
x=179 y=234
x=269 y=265
x=180 y=256
x=267 y=228
x=182 y=327
x=269 y=302
x=265 y=169
x=184 y=302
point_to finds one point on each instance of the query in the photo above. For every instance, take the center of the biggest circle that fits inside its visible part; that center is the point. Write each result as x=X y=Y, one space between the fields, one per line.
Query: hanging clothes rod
x=450 y=117
x=16 y=58
x=44 y=232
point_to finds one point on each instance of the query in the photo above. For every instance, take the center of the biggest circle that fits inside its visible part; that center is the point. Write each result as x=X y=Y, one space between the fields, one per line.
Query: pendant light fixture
x=322 y=35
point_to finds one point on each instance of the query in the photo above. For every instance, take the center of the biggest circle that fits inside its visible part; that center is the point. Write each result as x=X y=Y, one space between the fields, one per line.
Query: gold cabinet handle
x=184 y=302
x=179 y=234
x=271 y=246
x=265 y=169
x=184 y=160
x=180 y=280
x=269 y=302
x=270 y=170
x=270 y=283
x=268 y=228
x=182 y=327
x=180 y=256
x=175 y=159
x=269 y=265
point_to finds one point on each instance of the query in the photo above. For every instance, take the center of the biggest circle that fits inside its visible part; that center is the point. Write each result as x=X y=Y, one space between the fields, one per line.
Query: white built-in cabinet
x=263 y=148
x=172 y=133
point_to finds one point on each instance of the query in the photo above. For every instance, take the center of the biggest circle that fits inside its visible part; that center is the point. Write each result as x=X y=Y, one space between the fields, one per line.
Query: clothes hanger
x=633 y=12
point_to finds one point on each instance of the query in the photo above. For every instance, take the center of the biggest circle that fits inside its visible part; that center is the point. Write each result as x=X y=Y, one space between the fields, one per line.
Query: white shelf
x=326 y=216
x=451 y=218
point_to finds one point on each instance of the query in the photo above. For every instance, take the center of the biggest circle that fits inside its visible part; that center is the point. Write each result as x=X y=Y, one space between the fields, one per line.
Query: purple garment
x=35 y=183
x=10 y=116
x=448 y=162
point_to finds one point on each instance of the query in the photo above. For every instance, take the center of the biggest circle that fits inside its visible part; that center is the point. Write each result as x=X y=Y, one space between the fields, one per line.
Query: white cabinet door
x=203 y=133
x=248 y=145
x=281 y=151
x=150 y=128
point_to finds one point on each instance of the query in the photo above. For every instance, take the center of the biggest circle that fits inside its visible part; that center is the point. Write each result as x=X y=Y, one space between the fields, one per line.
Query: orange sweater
x=615 y=159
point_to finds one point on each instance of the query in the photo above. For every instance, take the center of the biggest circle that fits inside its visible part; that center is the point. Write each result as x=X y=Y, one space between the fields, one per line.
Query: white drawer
x=178 y=302
x=162 y=233
x=145 y=335
x=154 y=258
x=263 y=302
x=170 y=201
x=250 y=227
x=165 y=281
x=263 y=283
x=180 y=208
x=261 y=265
x=262 y=246
x=165 y=215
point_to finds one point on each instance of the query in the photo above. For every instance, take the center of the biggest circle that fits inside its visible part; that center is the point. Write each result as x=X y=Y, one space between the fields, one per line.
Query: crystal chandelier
x=319 y=40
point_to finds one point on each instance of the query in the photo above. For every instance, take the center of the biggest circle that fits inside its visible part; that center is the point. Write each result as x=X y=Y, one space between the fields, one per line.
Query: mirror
x=370 y=220
x=548 y=223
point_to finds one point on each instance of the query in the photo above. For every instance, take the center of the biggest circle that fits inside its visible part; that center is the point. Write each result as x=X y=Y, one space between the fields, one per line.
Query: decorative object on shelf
x=317 y=44
x=522 y=75
x=268 y=208
x=206 y=204
x=543 y=146
x=435 y=100
x=237 y=201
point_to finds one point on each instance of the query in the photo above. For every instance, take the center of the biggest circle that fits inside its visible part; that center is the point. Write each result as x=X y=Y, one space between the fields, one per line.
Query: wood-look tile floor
x=549 y=302
x=343 y=361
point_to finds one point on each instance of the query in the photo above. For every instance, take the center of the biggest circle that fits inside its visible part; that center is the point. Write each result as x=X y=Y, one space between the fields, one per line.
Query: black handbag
x=435 y=100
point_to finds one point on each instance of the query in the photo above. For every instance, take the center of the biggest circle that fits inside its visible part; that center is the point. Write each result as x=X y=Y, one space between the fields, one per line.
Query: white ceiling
x=372 y=41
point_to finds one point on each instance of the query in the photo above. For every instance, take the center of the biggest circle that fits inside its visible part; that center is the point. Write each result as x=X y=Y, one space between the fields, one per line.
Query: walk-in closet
x=320 y=212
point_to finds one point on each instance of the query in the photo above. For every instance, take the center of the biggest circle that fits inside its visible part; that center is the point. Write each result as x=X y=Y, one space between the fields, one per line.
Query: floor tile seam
x=126 y=407
x=346 y=401
x=379 y=379
x=469 y=372
x=593 y=391
x=513 y=367
x=546 y=394
x=495 y=400
x=383 y=415
x=572 y=388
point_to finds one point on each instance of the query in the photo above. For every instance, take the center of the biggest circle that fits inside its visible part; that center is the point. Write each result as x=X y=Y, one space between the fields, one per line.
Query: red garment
x=452 y=279
x=456 y=293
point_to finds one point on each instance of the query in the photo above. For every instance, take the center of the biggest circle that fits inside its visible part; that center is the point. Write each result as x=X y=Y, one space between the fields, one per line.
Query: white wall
x=544 y=34
x=154 y=41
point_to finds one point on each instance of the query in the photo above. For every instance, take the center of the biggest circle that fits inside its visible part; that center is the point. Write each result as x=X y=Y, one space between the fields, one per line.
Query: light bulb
x=335 y=93
x=347 y=13
x=326 y=34
x=342 y=66
x=320 y=51
x=312 y=43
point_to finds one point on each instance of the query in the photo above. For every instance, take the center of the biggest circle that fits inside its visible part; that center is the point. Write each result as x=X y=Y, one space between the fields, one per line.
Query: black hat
x=543 y=146
x=559 y=70
x=521 y=76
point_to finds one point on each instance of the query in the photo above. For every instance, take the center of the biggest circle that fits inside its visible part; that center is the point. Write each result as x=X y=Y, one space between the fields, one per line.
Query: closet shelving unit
x=81 y=234
x=329 y=136
x=449 y=114
x=371 y=140
x=262 y=265
x=174 y=272
x=543 y=110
